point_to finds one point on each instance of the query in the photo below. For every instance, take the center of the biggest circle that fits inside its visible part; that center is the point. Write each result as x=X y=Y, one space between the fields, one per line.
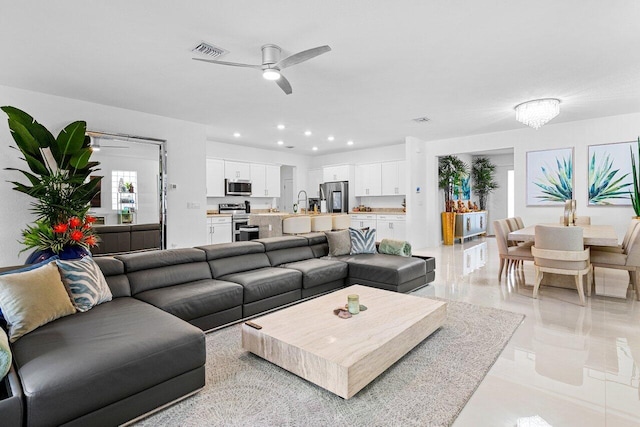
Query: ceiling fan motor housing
x=270 y=54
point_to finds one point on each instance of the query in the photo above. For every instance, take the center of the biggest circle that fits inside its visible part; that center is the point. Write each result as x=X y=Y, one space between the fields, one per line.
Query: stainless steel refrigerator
x=336 y=194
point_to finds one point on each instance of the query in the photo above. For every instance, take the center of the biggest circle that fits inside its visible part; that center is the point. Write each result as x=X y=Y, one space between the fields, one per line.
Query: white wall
x=579 y=134
x=185 y=163
x=497 y=200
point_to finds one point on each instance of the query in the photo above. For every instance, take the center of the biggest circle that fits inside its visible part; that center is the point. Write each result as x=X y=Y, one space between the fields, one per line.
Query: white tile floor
x=568 y=364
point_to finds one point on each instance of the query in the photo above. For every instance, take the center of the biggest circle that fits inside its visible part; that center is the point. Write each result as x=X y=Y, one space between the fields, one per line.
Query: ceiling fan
x=272 y=64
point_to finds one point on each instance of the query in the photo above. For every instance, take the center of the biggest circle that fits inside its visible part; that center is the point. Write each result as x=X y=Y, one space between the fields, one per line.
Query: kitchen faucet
x=306 y=201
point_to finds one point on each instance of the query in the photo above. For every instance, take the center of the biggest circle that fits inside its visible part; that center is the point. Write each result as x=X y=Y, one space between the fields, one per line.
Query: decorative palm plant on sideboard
x=58 y=179
x=483 y=174
x=634 y=194
x=451 y=172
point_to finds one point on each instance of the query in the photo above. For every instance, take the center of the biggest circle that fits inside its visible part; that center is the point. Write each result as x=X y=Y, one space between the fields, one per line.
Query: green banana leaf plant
x=604 y=185
x=635 y=194
x=557 y=185
x=58 y=178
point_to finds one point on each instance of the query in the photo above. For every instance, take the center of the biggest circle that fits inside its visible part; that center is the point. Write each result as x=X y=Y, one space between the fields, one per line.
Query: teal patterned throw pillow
x=85 y=282
x=363 y=241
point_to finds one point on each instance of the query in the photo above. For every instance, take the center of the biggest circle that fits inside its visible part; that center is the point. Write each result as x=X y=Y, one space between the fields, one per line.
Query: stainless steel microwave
x=237 y=187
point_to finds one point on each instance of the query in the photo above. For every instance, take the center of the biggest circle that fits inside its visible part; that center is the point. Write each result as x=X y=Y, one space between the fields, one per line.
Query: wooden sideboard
x=470 y=224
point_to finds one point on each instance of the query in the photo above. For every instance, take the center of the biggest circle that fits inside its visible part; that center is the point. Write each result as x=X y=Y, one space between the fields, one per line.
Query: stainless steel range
x=239 y=216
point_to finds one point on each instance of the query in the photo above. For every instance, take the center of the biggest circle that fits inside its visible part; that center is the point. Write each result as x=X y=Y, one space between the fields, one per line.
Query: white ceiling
x=463 y=64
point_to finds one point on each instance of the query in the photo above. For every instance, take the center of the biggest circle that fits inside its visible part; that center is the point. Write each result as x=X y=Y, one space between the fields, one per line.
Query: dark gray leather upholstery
x=113 y=239
x=196 y=299
x=81 y=363
x=315 y=238
x=113 y=270
x=320 y=250
x=283 y=242
x=226 y=250
x=383 y=268
x=282 y=256
x=266 y=282
x=145 y=237
x=160 y=277
x=316 y=272
x=236 y=264
x=155 y=259
x=270 y=303
x=11 y=405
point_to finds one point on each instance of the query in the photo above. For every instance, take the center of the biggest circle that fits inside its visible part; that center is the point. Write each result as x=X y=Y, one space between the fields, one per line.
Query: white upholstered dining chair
x=628 y=260
x=560 y=250
x=509 y=255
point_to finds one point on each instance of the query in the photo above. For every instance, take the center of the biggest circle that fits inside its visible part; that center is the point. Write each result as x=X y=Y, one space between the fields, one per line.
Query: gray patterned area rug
x=427 y=387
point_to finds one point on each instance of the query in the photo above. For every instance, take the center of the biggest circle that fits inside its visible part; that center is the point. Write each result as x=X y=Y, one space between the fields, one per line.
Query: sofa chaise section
x=390 y=272
x=246 y=263
x=179 y=282
x=113 y=363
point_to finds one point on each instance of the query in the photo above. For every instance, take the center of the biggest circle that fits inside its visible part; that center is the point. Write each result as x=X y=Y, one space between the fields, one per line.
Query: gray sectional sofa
x=146 y=348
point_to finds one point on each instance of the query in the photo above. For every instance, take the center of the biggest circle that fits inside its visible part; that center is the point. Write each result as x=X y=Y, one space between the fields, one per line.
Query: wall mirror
x=133 y=188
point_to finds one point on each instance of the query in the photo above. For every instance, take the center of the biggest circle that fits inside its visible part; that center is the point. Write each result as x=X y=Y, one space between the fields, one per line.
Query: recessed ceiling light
x=280 y=126
x=349 y=142
x=315 y=148
x=237 y=134
x=280 y=142
x=330 y=138
x=307 y=132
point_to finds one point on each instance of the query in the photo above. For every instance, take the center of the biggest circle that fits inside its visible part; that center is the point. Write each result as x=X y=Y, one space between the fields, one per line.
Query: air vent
x=290 y=146
x=422 y=120
x=209 y=50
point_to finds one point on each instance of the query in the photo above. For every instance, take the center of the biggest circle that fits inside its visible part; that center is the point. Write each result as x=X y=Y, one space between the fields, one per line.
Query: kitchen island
x=270 y=223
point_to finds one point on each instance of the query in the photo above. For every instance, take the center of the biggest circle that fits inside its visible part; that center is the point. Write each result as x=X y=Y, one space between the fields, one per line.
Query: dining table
x=593 y=235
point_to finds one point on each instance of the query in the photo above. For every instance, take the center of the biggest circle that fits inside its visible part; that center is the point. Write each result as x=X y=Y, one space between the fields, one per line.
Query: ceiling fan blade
x=299 y=57
x=233 y=64
x=284 y=84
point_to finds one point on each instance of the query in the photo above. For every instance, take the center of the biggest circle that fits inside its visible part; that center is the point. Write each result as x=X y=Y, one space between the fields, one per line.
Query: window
x=127 y=177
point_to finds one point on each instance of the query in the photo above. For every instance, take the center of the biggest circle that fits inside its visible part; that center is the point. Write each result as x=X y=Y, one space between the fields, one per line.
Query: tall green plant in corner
x=635 y=194
x=58 y=179
x=451 y=172
x=483 y=173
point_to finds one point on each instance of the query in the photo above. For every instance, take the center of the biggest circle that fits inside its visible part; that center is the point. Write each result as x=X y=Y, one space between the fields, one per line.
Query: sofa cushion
x=363 y=241
x=319 y=250
x=339 y=242
x=282 y=256
x=190 y=301
x=85 y=282
x=282 y=242
x=157 y=259
x=226 y=250
x=383 y=268
x=315 y=238
x=82 y=363
x=33 y=298
x=236 y=264
x=316 y=272
x=266 y=282
x=113 y=270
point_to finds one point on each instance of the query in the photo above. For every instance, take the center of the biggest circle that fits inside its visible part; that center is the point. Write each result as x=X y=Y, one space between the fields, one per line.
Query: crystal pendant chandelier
x=537 y=112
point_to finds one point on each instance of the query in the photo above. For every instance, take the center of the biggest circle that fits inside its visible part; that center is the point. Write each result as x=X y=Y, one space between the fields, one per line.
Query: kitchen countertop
x=378 y=213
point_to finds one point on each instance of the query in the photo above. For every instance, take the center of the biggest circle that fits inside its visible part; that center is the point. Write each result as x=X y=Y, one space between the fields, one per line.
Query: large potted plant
x=482 y=174
x=451 y=172
x=59 y=181
x=634 y=195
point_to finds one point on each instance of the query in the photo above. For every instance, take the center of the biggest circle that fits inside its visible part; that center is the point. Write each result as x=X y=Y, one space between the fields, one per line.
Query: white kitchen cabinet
x=272 y=178
x=314 y=179
x=219 y=229
x=363 y=221
x=368 y=180
x=393 y=178
x=265 y=180
x=215 y=177
x=237 y=170
x=336 y=173
x=391 y=227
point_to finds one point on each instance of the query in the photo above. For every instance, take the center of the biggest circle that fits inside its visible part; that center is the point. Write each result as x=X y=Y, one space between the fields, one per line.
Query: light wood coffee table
x=344 y=355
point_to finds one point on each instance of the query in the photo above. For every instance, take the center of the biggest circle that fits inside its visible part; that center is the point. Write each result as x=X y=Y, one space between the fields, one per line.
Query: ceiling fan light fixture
x=537 y=112
x=271 y=74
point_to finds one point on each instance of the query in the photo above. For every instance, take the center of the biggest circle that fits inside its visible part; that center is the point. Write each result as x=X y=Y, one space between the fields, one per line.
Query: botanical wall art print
x=610 y=177
x=549 y=177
